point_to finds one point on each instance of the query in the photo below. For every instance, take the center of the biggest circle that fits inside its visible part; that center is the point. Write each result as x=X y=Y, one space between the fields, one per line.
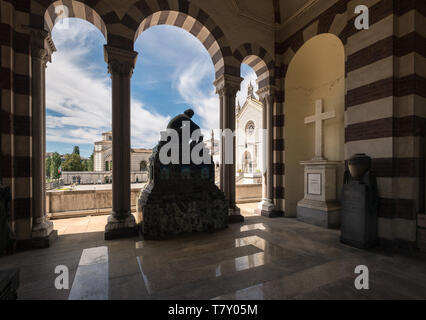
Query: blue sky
x=173 y=72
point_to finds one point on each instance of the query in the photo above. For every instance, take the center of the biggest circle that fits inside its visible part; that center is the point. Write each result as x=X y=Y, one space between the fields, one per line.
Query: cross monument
x=318 y=118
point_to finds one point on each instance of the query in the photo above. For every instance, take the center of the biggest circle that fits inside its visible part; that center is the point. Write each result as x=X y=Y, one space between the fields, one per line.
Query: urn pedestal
x=360 y=203
x=319 y=205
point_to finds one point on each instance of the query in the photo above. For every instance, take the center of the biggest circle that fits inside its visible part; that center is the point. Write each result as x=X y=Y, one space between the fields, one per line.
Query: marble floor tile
x=261 y=258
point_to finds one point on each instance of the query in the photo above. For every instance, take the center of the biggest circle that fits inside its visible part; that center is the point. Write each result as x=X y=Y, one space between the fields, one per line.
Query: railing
x=54 y=184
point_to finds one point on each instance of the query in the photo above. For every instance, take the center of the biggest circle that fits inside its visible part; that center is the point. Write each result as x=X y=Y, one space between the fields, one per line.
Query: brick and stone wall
x=385 y=84
x=385 y=89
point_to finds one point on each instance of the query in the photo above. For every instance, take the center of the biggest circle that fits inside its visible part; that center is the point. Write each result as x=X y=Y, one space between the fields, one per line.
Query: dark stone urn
x=359 y=164
x=360 y=203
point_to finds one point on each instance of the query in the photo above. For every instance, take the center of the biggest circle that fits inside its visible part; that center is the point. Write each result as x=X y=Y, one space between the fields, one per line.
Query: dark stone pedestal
x=320 y=218
x=121 y=227
x=9 y=284
x=359 y=215
x=271 y=214
x=37 y=243
x=121 y=233
x=44 y=242
x=235 y=218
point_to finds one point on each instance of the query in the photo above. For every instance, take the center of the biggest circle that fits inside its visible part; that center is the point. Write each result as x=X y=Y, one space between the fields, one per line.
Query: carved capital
x=120 y=62
x=40 y=54
x=120 y=68
x=42 y=46
x=228 y=85
x=267 y=94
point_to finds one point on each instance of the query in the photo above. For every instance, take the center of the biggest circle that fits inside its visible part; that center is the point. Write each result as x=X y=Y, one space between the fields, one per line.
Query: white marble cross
x=318 y=118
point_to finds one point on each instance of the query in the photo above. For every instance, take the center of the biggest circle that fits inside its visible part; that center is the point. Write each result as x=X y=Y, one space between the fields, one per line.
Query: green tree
x=76 y=150
x=48 y=167
x=84 y=164
x=90 y=163
x=72 y=163
x=55 y=165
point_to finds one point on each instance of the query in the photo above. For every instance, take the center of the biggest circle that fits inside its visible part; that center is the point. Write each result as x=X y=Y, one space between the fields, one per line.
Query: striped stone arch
x=333 y=20
x=186 y=15
x=44 y=14
x=72 y=9
x=259 y=60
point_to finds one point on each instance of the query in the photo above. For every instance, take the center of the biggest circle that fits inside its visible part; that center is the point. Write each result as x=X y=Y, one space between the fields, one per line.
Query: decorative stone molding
x=42 y=46
x=120 y=61
x=227 y=84
x=42 y=227
x=267 y=92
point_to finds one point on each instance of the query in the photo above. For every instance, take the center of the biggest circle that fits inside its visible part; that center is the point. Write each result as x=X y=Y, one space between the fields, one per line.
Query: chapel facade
x=249 y=136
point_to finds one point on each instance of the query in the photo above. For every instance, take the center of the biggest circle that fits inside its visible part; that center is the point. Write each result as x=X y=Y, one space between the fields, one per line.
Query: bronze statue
x=177 y=123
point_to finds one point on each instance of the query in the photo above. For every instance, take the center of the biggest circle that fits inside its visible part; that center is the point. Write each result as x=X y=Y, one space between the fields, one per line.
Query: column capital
x=42 y=46
x=267 y=92
x=120 y=61
x=228 y=84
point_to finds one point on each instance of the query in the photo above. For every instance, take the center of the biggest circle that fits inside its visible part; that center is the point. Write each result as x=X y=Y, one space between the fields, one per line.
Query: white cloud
x=80 y=98
x=205 y=104
x=166 y=45
x=79 y=91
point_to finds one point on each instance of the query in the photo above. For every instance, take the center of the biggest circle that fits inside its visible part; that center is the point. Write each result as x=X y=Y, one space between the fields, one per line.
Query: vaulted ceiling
x=266 y=9
x=260 y=10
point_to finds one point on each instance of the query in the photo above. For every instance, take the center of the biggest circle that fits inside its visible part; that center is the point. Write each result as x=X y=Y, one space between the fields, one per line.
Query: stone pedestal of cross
x=320 y=205
x=318 y=118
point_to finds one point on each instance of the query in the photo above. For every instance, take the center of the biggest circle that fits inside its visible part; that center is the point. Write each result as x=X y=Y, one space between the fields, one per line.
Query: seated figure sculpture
x=181 y=197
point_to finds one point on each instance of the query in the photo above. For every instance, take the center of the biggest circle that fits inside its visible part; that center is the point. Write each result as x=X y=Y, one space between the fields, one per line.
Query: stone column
x=121 y=223
x=42 y=229
x=227 y=87
x=221 y=154
x=266 y=207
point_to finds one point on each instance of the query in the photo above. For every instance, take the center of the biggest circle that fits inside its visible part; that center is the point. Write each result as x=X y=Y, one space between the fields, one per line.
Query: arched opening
x=214 y=44
x=251 y=157
x=185 y=71
x=315 y=79
x=59 y=11
x=78 y=99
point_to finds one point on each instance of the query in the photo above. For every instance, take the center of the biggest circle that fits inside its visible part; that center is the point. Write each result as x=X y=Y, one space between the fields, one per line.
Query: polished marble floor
x=259 y=259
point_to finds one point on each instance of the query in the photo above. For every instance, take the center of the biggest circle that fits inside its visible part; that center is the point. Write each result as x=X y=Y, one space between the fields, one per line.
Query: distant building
x=249 y=139
x=102 y=165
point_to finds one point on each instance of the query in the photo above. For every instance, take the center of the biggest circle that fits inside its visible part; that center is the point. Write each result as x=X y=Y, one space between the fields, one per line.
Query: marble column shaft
x=41 y=226
x=267 y=97
x=120 y=65
x=227 y=88
x=269 y=147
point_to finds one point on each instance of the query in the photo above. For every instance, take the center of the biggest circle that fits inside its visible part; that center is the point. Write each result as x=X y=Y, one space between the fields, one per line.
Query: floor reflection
x=257 y=226
x=168 y=273
x=250 y=261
